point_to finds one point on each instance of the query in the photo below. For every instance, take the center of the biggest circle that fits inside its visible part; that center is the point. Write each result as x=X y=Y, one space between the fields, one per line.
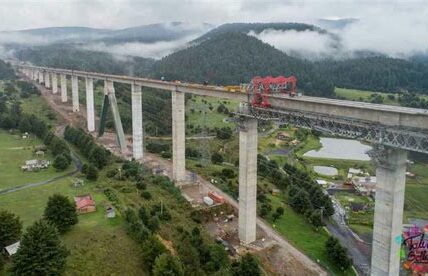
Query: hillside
x=234 y=58
x=257 y=28
x=377 y=74
x=64 y=56
x=6 y=72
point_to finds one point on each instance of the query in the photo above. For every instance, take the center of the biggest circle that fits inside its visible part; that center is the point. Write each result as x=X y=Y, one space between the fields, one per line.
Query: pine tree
x=41 y=251
x=10 y=228
x=166 y=265
x=61 y=212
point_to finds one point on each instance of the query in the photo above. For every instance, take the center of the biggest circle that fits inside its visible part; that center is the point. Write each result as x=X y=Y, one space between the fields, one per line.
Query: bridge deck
x=376 y=113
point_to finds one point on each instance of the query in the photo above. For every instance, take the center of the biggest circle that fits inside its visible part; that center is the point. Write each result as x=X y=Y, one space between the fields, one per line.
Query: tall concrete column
x=64 y=97
x=54 y=83
x=248 y=181
x=75 y=93
x=47 y=80
x=90 y=104
x=388 y=217
x=137 y=122
x=34 y=74
x=110 y=92
x=178 y=138
x=41 y=77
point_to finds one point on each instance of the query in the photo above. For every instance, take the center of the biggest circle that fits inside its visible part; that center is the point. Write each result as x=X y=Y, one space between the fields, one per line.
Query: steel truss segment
x=396 y=137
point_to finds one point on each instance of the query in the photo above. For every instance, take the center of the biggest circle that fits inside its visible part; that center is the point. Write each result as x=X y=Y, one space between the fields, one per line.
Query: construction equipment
x=263 y=87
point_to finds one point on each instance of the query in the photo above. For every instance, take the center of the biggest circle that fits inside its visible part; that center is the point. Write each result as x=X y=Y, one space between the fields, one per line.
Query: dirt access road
x=290 y=262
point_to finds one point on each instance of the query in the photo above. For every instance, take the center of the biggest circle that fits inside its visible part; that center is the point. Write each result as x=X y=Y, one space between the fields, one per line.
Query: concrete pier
x=110 y=92
x=90 y=109
x=178 y=138
x=388 y=218
x=248 y=181
x=41 y=77
x=137 y=122
x=64 y=96
x=75 y=93
x=54 y=83
x=47 y=80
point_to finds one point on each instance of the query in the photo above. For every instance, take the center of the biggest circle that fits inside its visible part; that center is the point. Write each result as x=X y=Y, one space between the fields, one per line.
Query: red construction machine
x=263 y=87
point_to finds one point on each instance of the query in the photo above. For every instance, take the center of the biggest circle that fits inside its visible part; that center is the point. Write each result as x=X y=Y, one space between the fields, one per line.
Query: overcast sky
x=24 y=14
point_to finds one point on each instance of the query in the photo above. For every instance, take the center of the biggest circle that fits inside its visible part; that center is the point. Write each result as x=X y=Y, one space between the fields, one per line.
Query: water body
x=336 y=148
x=325 y=170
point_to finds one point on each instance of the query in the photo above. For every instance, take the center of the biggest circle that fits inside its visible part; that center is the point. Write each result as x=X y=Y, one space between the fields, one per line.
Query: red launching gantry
x=263 y=87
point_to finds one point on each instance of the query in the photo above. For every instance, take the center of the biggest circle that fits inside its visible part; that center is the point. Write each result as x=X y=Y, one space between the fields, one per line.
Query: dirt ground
x=278 y=256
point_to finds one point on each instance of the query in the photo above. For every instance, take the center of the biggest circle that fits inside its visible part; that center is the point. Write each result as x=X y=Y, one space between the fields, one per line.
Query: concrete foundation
x=47 y=80
x=54 y=83
x=137 y=122
x=90 y=109
x=64 y=97
x=75 y=93
x=178 y=138
x=248 y=181
x=109 y=91
x=388 y=218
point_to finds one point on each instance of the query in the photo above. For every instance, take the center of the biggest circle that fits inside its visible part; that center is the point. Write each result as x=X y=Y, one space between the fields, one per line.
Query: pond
x=325 y=170
x=336 y=148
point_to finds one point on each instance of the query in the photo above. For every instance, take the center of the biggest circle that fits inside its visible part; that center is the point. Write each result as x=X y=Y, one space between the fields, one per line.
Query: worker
x=205 y=82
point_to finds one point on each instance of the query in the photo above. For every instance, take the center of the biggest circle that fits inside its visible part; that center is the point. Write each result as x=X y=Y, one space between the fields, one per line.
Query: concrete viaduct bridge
x=393 y=130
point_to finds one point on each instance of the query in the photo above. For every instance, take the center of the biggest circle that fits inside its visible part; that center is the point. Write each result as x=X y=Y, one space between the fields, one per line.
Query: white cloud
x=155 y=50
x=308 y=43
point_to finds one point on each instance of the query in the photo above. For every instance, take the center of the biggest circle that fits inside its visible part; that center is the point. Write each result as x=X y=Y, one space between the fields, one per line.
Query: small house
x=12 y=249
x=85 y=204
x=110 y=212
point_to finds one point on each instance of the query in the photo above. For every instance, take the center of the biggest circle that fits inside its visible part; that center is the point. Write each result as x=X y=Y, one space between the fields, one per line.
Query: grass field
x=212 y=118
x=362 y=95
x=14 y=151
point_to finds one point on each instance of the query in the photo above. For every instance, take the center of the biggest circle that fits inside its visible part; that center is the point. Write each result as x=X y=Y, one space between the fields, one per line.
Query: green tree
x=61 y=212
x=217 y=158
x=61 y=162
x=167 y=265
x=41 y=251
x=151 y=249
x=247 y=266
x=337 y=253
x=10 y=228
x=300 y=202
x=98 y=156
x=92 y=173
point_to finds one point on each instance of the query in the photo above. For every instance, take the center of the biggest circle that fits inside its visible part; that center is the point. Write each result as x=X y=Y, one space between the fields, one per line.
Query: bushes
x=337 y=253
x=217 y=158
x=97 y=155
x=224 y=133
x=157 y=147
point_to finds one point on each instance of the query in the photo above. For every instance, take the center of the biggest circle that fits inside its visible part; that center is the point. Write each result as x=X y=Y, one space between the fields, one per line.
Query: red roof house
x=85 y=204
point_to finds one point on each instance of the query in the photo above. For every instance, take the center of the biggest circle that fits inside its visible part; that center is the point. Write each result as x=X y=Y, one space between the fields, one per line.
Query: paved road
x=358 y=249
x=77 y=163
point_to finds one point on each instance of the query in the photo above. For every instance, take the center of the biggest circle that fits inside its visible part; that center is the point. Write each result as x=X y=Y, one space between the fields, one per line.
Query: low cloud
x=155 y=50
x=307 y=44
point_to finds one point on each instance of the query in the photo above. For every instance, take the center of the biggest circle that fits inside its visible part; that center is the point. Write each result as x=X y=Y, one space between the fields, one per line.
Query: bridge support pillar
x=388 y=217
x=90 y=110
x=54 y=83
x=110 y=93
x=137 y=122
x=75 y=93
x=47 y=80
x=64 y=97
x=178 y=138
x=33 y=74
x=40 y=77
x=248 y=181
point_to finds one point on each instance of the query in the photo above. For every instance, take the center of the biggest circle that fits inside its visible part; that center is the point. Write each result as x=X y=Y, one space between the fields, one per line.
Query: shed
x=110 y=212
